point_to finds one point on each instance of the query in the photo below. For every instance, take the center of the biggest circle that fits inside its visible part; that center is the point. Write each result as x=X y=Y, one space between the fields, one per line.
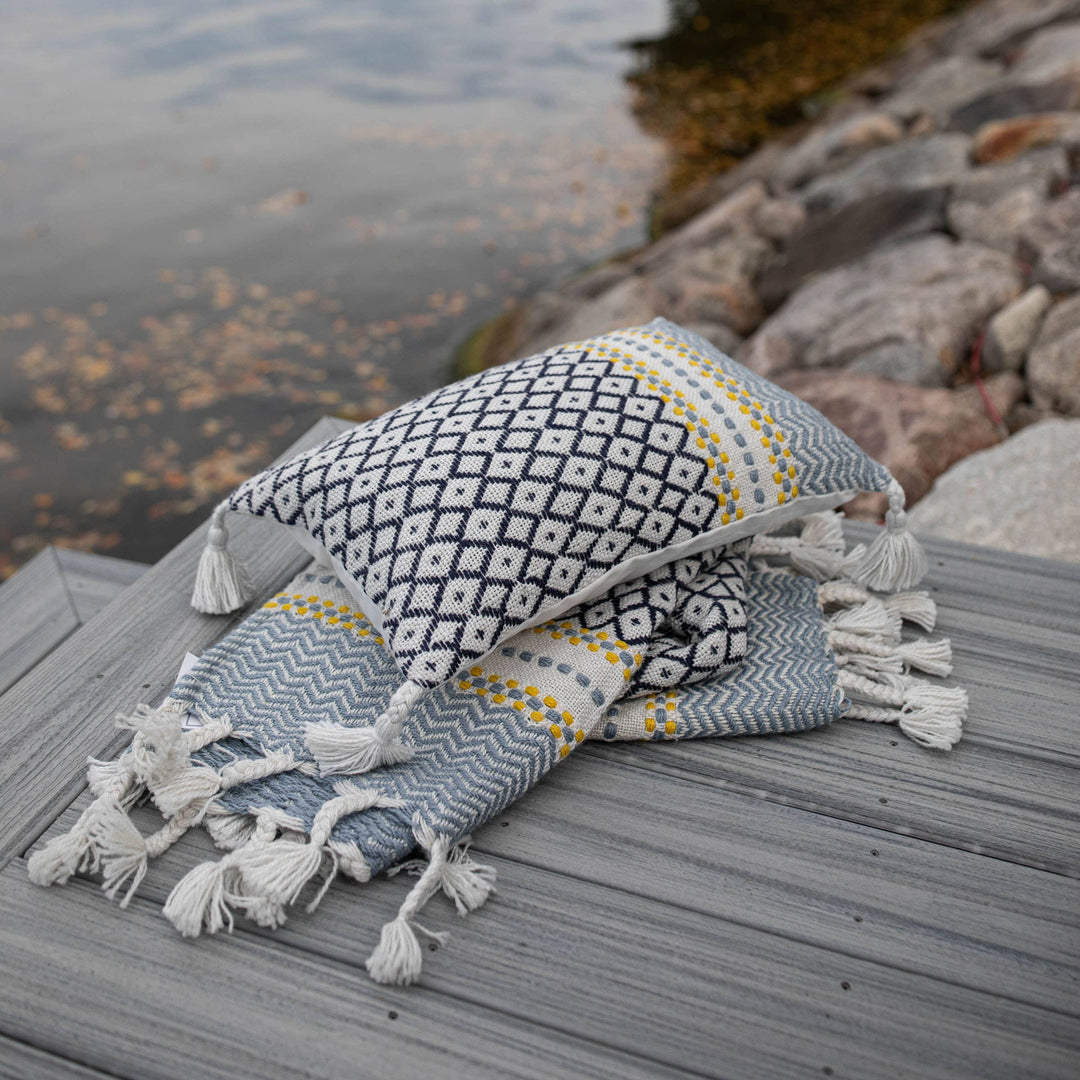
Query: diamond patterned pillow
x=508 y=498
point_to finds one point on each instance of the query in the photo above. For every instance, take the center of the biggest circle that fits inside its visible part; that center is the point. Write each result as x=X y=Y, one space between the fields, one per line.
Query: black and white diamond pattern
x=468 y=513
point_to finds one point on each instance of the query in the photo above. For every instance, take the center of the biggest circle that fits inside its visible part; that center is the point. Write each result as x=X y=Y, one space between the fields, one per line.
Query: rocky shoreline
x=910 y=265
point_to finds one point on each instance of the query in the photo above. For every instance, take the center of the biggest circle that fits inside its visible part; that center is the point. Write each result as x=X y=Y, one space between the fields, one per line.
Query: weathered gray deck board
x=755 y=996
x=134 y=999
x=51 y=597
x=974 y=798
x=39 y=614
x=62 y=711
x=18 y=1061
x=94 y=581
x=663 y=909
x=925 y=908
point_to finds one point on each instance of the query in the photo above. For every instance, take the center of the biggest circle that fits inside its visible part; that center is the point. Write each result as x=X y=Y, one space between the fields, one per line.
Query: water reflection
x=223 y=220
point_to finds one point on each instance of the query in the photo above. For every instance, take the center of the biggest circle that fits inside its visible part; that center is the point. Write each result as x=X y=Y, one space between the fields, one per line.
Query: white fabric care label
x=190 y=719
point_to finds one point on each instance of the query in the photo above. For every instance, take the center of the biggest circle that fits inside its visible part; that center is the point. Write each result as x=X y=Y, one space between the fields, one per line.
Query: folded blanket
x=701 y=647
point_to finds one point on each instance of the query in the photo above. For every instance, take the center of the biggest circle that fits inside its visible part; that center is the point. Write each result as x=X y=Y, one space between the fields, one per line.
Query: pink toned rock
x=925 y=298
x=733 y=303
x=1053 y=367
x=768 y=354
x=713 y=283
x=722 y=337
x=918 y=433
x=1004 y=140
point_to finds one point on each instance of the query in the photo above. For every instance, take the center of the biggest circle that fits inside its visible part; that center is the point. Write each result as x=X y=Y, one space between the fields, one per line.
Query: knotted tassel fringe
x=268 y=874
x=104 y=838
x=398 y=959
x=875 y=664
x=220 y=585
x=930 y=715
x=76 y=851
x=338 y=749
x=913 y=607
x=895 y=560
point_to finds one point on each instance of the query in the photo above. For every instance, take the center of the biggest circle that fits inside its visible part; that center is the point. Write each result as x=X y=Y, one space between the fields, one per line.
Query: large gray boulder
x=943 y=87
x=998 y=27
x=914 y=163
x=1052 y=53
x=836 y=143
x=909 y=312
x=833 y=238
x=1022 y=495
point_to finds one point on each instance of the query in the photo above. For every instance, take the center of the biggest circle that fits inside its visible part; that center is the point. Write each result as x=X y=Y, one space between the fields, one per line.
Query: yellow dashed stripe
x=326 y=611
x=570 y=634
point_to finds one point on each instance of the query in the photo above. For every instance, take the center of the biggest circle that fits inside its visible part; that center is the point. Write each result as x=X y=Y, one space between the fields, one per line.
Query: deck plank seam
x=824 y=810
x=106 y=1074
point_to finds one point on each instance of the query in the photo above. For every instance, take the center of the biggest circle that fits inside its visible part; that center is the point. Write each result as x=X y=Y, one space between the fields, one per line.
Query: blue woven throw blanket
x=244 y=745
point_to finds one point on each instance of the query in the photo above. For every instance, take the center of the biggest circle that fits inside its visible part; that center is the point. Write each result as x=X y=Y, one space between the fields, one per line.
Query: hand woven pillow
x=504 y=500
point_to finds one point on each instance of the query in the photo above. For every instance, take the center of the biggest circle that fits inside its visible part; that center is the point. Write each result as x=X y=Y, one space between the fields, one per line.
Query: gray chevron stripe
x=278 y=671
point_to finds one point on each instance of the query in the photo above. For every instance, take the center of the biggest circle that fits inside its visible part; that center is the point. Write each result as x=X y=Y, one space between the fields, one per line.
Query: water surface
x=220 y=221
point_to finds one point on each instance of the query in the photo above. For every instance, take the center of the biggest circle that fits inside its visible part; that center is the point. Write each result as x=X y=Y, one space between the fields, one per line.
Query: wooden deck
x=840 y=903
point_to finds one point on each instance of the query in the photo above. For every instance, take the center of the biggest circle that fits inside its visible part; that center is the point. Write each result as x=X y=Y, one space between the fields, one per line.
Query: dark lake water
x=220 y=221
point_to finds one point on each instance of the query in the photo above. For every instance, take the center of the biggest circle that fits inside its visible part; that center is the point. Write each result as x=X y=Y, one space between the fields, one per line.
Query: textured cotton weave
x=476 y=752
x=509 y=497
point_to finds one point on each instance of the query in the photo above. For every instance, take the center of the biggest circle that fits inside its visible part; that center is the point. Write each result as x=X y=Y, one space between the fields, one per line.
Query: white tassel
x=157 y=751
x=913 y=607
x=930 y=715
x=271 y=875
x=115 y=785
x=397 y=958
x=200 y=899
x=467 y=883
x=338 y=749
x=193 y=784
x=933 y=716
x=73 y=852
x=933 y=657
x=220 y=586
x=115 y=779
x=870 y=619
x=122 y=852
x=229 y=831
x=895 y=560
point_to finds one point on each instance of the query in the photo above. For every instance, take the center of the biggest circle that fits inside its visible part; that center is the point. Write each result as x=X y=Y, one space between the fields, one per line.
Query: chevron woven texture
x=477 y=753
